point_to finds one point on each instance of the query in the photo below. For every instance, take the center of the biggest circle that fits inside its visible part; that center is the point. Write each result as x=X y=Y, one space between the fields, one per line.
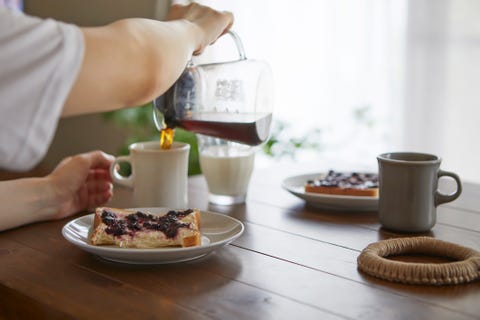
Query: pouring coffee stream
x=228 y=100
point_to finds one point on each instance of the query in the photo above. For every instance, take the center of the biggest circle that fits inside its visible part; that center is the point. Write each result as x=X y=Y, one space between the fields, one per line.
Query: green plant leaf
x=194 y=157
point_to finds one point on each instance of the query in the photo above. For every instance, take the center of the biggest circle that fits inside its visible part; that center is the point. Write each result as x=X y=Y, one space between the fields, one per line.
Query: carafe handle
x=239 y=44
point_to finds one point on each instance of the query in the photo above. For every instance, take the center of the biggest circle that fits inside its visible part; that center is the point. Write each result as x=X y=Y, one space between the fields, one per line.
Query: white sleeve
x=39 y=62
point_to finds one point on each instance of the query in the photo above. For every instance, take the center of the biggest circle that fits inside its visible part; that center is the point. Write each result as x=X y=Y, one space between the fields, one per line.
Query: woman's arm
x=77 y=183
x=132 y=61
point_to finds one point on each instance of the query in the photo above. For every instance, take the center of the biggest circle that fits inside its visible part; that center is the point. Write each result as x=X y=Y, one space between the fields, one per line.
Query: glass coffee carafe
x=229 y=100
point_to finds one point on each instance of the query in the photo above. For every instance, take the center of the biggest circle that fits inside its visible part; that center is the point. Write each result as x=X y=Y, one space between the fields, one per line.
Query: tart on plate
x=130 y=228
x=345 y=183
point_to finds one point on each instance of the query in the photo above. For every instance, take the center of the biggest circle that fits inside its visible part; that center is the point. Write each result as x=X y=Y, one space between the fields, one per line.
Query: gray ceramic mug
x=409 y=193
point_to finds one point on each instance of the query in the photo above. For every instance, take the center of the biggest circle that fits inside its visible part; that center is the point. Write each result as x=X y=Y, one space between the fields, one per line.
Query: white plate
x=296 y=186
x=217 y=230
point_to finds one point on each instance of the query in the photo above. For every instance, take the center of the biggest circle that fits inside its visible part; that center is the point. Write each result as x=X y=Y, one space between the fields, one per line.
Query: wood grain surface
x=293 y=261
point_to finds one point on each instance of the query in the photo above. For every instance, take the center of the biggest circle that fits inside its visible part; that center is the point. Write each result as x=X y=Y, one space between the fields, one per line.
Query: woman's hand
x=77 y=183
x=81 y=182
x=211 y=23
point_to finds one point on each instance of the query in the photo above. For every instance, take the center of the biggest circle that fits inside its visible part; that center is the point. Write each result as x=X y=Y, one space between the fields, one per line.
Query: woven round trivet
x=465 y=266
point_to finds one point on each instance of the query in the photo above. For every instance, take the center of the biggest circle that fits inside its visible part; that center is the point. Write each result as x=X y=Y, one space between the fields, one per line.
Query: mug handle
x=117 y=177
x=442 y=198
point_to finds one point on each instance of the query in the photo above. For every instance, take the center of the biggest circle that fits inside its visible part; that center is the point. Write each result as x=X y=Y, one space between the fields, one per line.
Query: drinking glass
x=227 y=167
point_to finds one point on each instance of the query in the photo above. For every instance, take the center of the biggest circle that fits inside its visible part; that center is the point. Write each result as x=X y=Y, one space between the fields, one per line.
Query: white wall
x=462 y=116
x=443 y=83
x=416 y=63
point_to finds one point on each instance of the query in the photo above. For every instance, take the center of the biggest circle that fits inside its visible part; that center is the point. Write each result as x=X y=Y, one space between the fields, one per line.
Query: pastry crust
x=135 y=229
x=371 y=192
x=346 y=184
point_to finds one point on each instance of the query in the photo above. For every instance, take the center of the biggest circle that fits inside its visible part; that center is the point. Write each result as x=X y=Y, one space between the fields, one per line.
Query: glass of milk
x=227 y=167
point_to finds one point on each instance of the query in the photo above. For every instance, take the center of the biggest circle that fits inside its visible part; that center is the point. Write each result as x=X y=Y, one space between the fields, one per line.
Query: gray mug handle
x=442 y=198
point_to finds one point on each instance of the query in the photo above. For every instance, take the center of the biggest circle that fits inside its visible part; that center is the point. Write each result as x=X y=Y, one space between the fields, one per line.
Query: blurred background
x=353 y=78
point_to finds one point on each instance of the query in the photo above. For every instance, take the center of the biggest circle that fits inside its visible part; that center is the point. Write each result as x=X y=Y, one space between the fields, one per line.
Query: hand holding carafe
x=229 y=100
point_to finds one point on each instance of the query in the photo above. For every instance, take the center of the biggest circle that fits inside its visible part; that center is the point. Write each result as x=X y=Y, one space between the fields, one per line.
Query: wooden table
x=293 y=261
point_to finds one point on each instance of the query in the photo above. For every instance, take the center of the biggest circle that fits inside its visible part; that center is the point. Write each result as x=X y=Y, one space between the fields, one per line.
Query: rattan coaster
x=464 y=268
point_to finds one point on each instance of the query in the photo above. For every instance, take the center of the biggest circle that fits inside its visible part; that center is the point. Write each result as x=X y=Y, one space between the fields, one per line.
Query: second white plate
x=217 y=230
x=296 y=186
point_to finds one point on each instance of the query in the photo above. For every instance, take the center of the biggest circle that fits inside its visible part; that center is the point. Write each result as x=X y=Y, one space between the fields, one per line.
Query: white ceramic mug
x=159 y=177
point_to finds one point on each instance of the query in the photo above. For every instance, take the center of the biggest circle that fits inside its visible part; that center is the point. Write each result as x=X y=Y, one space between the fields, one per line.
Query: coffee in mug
x=159 y=176
x=409 y=193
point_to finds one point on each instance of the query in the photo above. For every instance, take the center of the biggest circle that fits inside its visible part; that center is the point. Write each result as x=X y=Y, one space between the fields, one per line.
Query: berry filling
x=169 y=223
